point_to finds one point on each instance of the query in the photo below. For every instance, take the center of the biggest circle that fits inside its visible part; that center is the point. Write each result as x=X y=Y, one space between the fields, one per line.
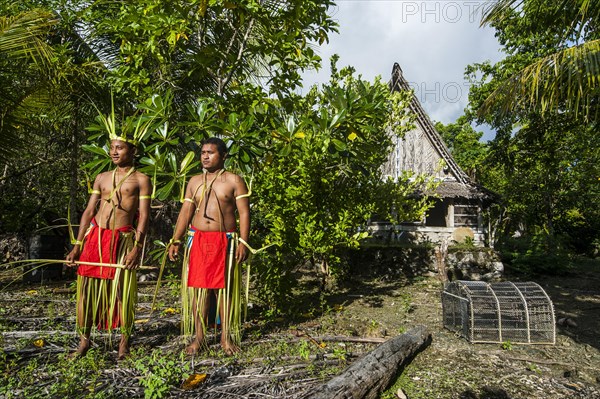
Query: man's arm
x=145 y=192
x=86 y=219
x=184 y=218
x=243 y=207
x=144 y=208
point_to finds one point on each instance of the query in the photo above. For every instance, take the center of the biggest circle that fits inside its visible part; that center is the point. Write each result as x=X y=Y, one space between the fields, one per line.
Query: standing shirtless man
x=212 y=254
x=106 y=296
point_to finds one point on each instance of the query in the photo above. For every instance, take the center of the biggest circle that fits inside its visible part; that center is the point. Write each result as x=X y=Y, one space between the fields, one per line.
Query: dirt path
x=453 y=368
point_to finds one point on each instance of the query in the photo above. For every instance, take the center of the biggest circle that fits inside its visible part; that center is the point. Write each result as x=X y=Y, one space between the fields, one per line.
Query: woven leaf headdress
x=135 y=128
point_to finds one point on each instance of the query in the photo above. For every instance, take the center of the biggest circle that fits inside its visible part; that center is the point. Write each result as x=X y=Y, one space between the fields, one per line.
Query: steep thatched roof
x=453 y=189
x=422 y=149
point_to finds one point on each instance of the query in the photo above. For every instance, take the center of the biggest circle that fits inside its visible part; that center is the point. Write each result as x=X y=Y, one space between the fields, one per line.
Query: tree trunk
x=368 y=377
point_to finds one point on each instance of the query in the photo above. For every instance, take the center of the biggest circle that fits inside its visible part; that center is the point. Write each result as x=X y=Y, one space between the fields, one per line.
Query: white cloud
x=432 y=40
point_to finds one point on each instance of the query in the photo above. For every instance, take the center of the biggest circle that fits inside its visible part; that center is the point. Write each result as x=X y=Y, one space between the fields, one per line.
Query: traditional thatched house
x=457 y=212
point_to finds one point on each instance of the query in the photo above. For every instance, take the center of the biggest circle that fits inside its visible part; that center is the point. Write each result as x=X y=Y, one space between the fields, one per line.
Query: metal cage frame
x=484 y=312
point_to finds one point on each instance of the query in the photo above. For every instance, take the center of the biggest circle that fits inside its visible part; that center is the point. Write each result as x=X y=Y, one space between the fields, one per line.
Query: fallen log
x=369 y=376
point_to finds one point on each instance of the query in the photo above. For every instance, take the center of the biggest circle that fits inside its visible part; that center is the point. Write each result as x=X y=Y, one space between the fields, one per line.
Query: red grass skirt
x=207 y=260
x=100 y=246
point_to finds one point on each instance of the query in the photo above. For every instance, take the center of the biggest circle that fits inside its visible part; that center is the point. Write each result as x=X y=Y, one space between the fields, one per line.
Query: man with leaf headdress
x=211 y=269
x=111 y=241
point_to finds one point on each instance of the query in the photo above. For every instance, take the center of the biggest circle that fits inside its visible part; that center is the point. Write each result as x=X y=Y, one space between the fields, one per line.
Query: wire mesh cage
x=498 y=312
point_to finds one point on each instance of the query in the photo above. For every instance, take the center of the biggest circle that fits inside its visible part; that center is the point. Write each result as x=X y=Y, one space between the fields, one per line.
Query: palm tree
x=22 y=35
x=22 y=44
x=567 y=80
x=47 y=88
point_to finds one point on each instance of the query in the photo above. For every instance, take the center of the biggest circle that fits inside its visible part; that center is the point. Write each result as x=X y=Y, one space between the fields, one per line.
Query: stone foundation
x=476 y=264
x=392 y=262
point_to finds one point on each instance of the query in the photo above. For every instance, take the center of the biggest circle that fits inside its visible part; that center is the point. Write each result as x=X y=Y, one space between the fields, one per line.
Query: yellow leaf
x=170 y=311
x=193 y=381
x=39 y=343
x=300 y=135
x=322 y=345
x=31 y=292
x=352 y=136
x=140 y=321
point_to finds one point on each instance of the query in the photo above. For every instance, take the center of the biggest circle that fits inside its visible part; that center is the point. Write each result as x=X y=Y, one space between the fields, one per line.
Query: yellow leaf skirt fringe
x=109 y=304
x=228 y=298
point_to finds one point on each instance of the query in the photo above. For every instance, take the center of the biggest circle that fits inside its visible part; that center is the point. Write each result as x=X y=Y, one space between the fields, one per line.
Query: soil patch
x=287 y=357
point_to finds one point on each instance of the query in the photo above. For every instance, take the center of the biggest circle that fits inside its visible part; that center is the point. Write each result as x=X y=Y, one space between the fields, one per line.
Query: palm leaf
x=565 y=80
x=568 y=79
x=22 y=38
x=22 y=35
x=584 y=10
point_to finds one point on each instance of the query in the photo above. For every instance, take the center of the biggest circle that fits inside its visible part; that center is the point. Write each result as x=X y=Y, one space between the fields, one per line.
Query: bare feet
x=193 y=348
x=84 y=347
x=123 y=348
x=229 y=347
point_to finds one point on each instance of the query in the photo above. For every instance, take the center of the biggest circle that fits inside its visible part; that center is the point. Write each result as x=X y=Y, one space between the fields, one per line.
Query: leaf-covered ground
x=285 y=357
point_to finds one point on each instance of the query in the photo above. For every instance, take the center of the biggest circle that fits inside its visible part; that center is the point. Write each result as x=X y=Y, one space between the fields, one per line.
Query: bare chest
x=217 y=193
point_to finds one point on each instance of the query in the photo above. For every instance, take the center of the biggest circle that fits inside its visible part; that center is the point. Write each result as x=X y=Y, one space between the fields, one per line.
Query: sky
x=432 y=40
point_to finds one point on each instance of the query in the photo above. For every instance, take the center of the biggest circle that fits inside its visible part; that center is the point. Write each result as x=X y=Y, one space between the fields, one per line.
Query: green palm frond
x=22 y=35
x=568 y=79
x=580 y=10
x=21 y=38
x=16 y=118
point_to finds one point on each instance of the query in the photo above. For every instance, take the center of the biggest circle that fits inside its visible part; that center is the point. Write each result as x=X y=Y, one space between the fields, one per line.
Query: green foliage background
x=542 y=99
x=187 y=71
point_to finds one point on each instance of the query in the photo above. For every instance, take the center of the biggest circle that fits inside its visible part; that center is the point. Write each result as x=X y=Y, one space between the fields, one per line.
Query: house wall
x=415 y=153
x=451 y=212
x=449 y=220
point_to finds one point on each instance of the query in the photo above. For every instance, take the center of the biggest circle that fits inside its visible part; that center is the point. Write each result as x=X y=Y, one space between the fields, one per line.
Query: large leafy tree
x=215 y=62
x=548 y=175
x=230 y=54
x=542 y=159
x=321 y=179
x=205 y=47
x=465 y=146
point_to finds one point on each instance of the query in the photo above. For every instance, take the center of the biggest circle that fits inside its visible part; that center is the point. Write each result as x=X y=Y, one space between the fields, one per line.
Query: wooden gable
x=421 y=150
